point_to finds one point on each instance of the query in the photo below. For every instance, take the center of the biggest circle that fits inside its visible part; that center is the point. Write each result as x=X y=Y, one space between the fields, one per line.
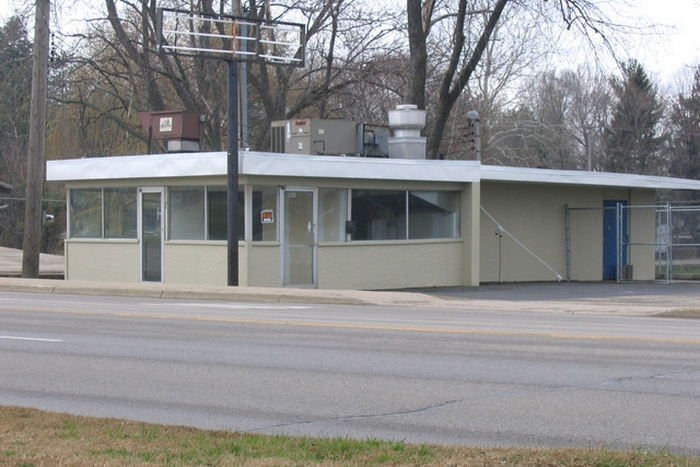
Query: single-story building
x=351 y=222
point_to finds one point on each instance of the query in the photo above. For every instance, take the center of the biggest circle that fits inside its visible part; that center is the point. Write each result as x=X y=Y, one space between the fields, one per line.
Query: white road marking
x=231 y=306
x=38 y=339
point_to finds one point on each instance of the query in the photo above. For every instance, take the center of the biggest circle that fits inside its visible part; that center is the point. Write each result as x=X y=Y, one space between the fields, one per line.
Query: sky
x=666 y=39
x=673 y=44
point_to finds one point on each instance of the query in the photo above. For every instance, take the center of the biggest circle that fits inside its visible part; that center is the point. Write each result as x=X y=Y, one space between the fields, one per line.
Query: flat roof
x=260 y=163
x=292 y=165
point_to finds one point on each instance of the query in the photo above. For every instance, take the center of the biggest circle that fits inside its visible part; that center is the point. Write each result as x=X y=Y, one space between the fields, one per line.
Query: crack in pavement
x=643 y=377
x=598 y=385
x=427 y=408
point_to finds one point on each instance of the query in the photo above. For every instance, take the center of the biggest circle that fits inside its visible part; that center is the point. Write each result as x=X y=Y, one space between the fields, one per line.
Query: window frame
x=456 y=232
x=102 y=234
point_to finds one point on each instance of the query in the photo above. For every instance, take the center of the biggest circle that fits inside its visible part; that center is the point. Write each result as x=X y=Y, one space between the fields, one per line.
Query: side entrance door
x=610 y=237
x=150 y=231
x=299 y=247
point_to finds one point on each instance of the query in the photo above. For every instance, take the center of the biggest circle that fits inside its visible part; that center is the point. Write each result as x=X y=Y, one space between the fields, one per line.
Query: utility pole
x=37 y=142
x=232 y=214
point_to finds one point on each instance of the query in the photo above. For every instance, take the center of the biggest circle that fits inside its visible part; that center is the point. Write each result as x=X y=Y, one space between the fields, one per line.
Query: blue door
x=610 y=237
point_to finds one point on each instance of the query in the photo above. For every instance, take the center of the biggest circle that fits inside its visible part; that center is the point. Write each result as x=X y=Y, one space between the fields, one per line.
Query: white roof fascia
x=256 y=163
x=584 y=178
x=293 y=165
x=126 y=167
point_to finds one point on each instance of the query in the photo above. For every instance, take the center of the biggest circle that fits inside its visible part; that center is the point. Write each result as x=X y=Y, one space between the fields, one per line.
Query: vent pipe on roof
x=475 y=128
x=406 y=123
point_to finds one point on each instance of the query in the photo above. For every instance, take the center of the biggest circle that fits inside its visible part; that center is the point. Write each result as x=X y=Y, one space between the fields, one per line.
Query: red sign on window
x=267 y=216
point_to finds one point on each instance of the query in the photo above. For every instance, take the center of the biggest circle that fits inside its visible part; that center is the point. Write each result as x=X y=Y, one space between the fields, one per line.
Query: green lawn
x=31 y=437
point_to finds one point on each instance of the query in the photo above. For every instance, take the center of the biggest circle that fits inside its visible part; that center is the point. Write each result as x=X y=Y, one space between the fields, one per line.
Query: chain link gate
x=673 y=246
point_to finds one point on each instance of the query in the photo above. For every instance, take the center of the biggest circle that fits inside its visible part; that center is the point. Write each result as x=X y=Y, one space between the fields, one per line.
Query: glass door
x=151 y=234
x=299 y=237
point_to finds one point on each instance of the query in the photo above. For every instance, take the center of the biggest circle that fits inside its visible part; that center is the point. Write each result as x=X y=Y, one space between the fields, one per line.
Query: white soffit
x=256 y=163
x=584 y=178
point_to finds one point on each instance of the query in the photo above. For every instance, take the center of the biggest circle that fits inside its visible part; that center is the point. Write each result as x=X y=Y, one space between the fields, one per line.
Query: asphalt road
x=422 y=375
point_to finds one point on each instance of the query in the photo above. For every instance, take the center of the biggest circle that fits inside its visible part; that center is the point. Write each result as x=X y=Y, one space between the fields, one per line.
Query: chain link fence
x=12 y=224
x=678 y=242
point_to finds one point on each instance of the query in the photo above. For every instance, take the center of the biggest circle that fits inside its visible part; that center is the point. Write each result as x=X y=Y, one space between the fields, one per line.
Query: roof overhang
x=263 y=164
x=584 y=178
x=337 y=167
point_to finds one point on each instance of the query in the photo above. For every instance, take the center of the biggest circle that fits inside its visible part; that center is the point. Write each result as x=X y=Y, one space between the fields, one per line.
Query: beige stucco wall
x=102 y=260
x=202 y=263
x=264 y=268
x=386 y=264
x=535 y=215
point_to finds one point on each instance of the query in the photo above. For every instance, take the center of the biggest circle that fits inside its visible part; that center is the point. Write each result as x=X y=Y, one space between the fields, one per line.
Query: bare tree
x=121 y=72
x=559 y=123
x=464 y=55
x=342 y=37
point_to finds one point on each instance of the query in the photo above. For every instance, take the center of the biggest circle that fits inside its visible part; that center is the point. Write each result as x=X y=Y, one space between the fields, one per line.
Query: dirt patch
x=687 y=313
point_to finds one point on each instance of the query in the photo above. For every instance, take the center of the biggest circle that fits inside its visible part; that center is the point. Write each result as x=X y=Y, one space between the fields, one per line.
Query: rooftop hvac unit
x=329 y=137
x=180 y=129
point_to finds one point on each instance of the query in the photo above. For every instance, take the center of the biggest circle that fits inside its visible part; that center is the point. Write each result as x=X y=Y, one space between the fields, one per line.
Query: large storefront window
x=332 y=214
x=265 y=214
x=399 y=215
x=186 y=213
x=103 y=213
x=433 y=214
x=379 y=214
x=216 y=213
x=86 y=213
x=188 y=218
x=120 y=212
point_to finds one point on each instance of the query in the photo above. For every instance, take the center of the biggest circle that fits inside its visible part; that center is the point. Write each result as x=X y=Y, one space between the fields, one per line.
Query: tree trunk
x=449 y=92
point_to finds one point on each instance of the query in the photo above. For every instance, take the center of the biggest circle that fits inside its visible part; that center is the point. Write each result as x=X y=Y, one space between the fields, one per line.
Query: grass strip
x=30 y=437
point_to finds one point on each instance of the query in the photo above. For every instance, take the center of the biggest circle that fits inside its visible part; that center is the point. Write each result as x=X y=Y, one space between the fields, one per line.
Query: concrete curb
x=236 y=294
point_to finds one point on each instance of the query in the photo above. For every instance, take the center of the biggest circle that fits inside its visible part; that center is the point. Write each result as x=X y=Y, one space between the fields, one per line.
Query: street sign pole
x=232 y=215
x=233 y=39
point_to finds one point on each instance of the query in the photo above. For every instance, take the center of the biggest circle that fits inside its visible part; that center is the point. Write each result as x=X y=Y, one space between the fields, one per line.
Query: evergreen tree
x=15 y=88
x=15 y=79
x=685 y=139
x=632 y=142
x=685 y=157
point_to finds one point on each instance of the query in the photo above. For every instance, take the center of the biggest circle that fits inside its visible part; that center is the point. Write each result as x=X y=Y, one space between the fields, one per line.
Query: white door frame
x=139 y=226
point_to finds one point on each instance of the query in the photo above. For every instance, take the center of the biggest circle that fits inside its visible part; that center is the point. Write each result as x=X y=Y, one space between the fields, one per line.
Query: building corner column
x=471 y=233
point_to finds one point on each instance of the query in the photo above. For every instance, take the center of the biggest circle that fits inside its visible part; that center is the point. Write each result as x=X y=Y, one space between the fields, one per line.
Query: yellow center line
x=369 y=327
